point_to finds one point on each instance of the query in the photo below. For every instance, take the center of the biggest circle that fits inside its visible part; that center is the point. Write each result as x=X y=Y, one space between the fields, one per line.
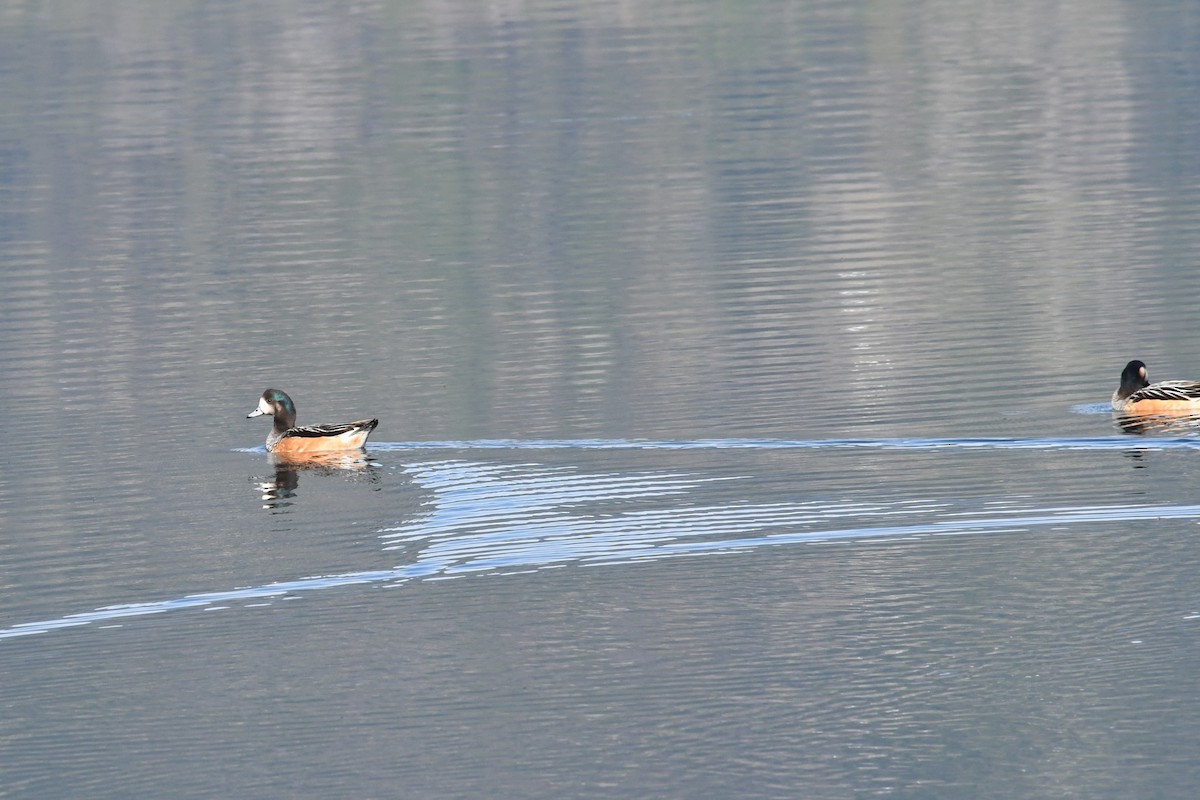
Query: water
x=742 y=378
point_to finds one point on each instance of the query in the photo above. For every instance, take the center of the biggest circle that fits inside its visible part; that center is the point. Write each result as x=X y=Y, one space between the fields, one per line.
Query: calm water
x=742 y=374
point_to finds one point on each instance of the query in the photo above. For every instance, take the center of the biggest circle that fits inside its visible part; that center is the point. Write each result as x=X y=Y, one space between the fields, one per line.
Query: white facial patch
x=263 y=406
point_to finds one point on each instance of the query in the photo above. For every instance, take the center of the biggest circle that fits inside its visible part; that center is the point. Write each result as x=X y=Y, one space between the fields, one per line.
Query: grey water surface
x=742 y=372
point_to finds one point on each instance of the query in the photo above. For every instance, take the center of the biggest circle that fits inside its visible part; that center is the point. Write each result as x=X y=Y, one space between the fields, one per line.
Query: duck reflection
x=278 y=492
x=1157 y=424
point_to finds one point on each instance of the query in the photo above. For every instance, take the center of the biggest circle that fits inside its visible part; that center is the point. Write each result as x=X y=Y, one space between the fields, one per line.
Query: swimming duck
x=287 y=440
x=1137 y=394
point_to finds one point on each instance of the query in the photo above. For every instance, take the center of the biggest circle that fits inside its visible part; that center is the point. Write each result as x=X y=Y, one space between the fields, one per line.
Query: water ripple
x=493 y=518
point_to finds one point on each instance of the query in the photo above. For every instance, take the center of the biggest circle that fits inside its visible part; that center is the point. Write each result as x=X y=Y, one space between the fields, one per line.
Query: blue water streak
x=1123 y=442
x=539 y=552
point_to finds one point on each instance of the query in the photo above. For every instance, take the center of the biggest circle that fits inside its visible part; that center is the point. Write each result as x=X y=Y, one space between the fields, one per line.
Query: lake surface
x=743 y=377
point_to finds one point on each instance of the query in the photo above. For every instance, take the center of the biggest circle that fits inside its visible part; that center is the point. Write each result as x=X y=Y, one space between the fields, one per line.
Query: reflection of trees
x=531 y=217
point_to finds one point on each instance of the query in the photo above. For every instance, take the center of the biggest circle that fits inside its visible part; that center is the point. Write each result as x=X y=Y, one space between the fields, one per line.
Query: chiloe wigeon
x=286 y=439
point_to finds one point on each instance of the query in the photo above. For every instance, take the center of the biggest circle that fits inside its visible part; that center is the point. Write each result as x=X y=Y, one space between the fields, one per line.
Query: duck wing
x=1168 y=390
x=333 y=429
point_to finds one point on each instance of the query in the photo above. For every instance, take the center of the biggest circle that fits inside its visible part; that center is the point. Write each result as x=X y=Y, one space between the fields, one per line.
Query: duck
x=286 y=439
x=1138 y=395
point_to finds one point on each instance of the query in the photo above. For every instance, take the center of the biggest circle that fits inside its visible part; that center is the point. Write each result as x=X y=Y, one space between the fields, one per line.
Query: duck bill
x=258 y=412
